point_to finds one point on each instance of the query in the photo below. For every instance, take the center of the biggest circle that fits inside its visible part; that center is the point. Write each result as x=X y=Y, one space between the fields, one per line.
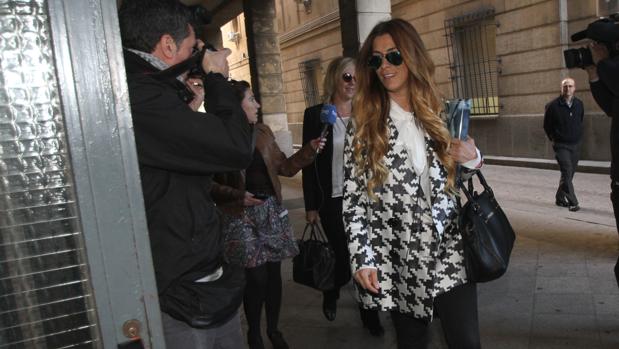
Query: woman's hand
x=368 y=279
x=197 y=87
x=312 y=216
x=463 y=151
x=318 y=143
x=250 y=200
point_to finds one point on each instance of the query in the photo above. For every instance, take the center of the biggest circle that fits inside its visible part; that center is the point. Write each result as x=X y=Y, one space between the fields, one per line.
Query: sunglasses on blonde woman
x=393 y=57
x=348 y=77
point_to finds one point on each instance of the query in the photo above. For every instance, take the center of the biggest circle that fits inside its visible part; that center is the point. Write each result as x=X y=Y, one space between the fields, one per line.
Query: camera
x=604 y=31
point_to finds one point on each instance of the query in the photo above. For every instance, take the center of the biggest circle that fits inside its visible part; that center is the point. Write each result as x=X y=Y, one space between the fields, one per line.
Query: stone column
x=266 y=68
x=369 y=13
x=357 y=18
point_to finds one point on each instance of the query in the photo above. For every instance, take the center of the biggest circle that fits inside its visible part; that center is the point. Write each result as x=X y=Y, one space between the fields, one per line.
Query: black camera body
x=578 y=57
x=604 y=31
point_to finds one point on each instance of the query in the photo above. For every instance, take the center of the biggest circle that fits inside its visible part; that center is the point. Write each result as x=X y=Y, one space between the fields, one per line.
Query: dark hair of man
x=143 y=22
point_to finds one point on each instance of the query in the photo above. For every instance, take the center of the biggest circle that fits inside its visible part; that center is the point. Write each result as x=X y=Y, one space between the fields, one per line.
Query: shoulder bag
x=487 y=234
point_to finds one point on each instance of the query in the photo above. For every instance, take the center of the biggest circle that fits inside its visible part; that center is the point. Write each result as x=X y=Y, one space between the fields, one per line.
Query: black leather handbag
x=488 y=236
x=314 y=266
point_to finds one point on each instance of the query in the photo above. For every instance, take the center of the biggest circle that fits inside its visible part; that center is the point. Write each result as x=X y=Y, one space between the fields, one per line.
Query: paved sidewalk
x=559 y=291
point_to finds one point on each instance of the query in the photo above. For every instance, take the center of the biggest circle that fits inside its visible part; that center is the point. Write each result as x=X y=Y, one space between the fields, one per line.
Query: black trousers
x=567 y=156
x=457 y=310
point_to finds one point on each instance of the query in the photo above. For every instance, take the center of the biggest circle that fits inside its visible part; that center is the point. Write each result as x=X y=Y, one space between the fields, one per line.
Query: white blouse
x=411 y=136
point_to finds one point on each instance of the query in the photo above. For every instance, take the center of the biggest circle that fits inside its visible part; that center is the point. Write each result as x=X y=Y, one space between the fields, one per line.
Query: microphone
x=328 y=116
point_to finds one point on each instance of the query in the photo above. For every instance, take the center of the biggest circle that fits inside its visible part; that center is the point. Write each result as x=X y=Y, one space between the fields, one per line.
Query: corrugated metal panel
x=45 y=296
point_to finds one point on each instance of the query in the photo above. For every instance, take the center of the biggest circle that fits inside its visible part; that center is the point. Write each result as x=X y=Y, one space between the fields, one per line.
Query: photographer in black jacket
x=604 y=82
x=178 y=151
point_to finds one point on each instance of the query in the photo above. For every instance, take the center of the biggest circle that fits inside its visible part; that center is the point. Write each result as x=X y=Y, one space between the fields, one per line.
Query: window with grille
x=309 y=71
x=471 y=44
x=607 y=7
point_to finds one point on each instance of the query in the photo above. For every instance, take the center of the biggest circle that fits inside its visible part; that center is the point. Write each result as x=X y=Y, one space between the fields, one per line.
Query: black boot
x=277 y=339
x=329 y=308
x=371 y=321
x=329 y=303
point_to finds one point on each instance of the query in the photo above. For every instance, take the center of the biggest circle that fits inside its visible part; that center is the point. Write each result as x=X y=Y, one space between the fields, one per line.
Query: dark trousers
x=567 y=156
x=457 y=310
x=264 y=287
x=333 y=225
x=614 y=198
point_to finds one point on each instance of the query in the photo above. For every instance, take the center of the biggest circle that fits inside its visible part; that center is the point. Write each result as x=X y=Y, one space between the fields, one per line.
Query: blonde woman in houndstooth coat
x=399 y=193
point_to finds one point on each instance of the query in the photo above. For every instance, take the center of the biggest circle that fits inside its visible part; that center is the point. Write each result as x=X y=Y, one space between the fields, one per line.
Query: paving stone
x=564 y=304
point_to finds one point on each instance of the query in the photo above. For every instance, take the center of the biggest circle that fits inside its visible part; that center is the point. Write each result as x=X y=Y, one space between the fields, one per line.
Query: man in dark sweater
x=563 y=122
x=178 y=152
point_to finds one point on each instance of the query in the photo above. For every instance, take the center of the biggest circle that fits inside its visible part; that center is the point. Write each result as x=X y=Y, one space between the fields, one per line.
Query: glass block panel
x=45 y=294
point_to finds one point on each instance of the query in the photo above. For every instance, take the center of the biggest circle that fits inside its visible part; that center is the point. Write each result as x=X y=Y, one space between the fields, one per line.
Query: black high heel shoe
x=329 y=308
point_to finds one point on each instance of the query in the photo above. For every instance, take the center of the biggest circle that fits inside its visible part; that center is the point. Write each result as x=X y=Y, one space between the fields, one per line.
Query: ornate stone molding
x=309 y=26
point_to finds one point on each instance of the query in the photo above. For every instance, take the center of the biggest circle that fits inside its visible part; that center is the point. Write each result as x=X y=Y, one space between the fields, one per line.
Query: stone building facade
x=513 y=51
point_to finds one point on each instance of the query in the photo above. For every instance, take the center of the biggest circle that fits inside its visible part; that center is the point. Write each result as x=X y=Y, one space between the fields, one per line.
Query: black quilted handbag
x=314 y=266
x=488 y=236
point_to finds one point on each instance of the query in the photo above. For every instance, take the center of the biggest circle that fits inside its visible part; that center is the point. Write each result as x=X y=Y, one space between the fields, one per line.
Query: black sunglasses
x=348 y=77
x=393 y=57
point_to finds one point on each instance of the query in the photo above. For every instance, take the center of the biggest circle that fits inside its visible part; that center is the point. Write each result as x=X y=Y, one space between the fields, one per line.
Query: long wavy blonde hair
x=371 y=104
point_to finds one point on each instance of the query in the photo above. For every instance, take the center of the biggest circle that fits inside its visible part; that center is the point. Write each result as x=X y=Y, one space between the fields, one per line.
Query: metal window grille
x=471 y=45
x=309 y=71
x=607 y=7
x=45 y=294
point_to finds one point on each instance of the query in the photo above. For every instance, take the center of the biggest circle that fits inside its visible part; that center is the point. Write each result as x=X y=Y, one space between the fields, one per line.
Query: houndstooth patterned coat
x=415 y=247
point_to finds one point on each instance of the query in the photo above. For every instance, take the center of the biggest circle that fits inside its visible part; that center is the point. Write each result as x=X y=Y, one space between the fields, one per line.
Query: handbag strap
x=315 y=232
x=469 y=189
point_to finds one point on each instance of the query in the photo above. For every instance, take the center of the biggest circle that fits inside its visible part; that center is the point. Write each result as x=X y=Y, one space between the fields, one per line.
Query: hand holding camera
x=216 y=61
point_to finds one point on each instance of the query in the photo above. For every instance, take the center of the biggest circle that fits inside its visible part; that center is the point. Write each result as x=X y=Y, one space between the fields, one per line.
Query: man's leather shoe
x=561 y=203
x=574 y=208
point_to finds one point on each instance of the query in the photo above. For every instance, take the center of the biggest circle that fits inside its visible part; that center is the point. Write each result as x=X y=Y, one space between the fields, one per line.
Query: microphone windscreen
x=328 y=114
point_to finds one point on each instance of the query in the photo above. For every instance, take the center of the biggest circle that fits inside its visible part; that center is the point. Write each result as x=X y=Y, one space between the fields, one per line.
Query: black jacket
x=562 y=123
x=606 y=94
x=317 y=176
x=178 y=151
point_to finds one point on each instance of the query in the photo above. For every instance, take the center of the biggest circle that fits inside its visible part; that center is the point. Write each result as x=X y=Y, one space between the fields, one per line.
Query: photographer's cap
x=602 y=30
